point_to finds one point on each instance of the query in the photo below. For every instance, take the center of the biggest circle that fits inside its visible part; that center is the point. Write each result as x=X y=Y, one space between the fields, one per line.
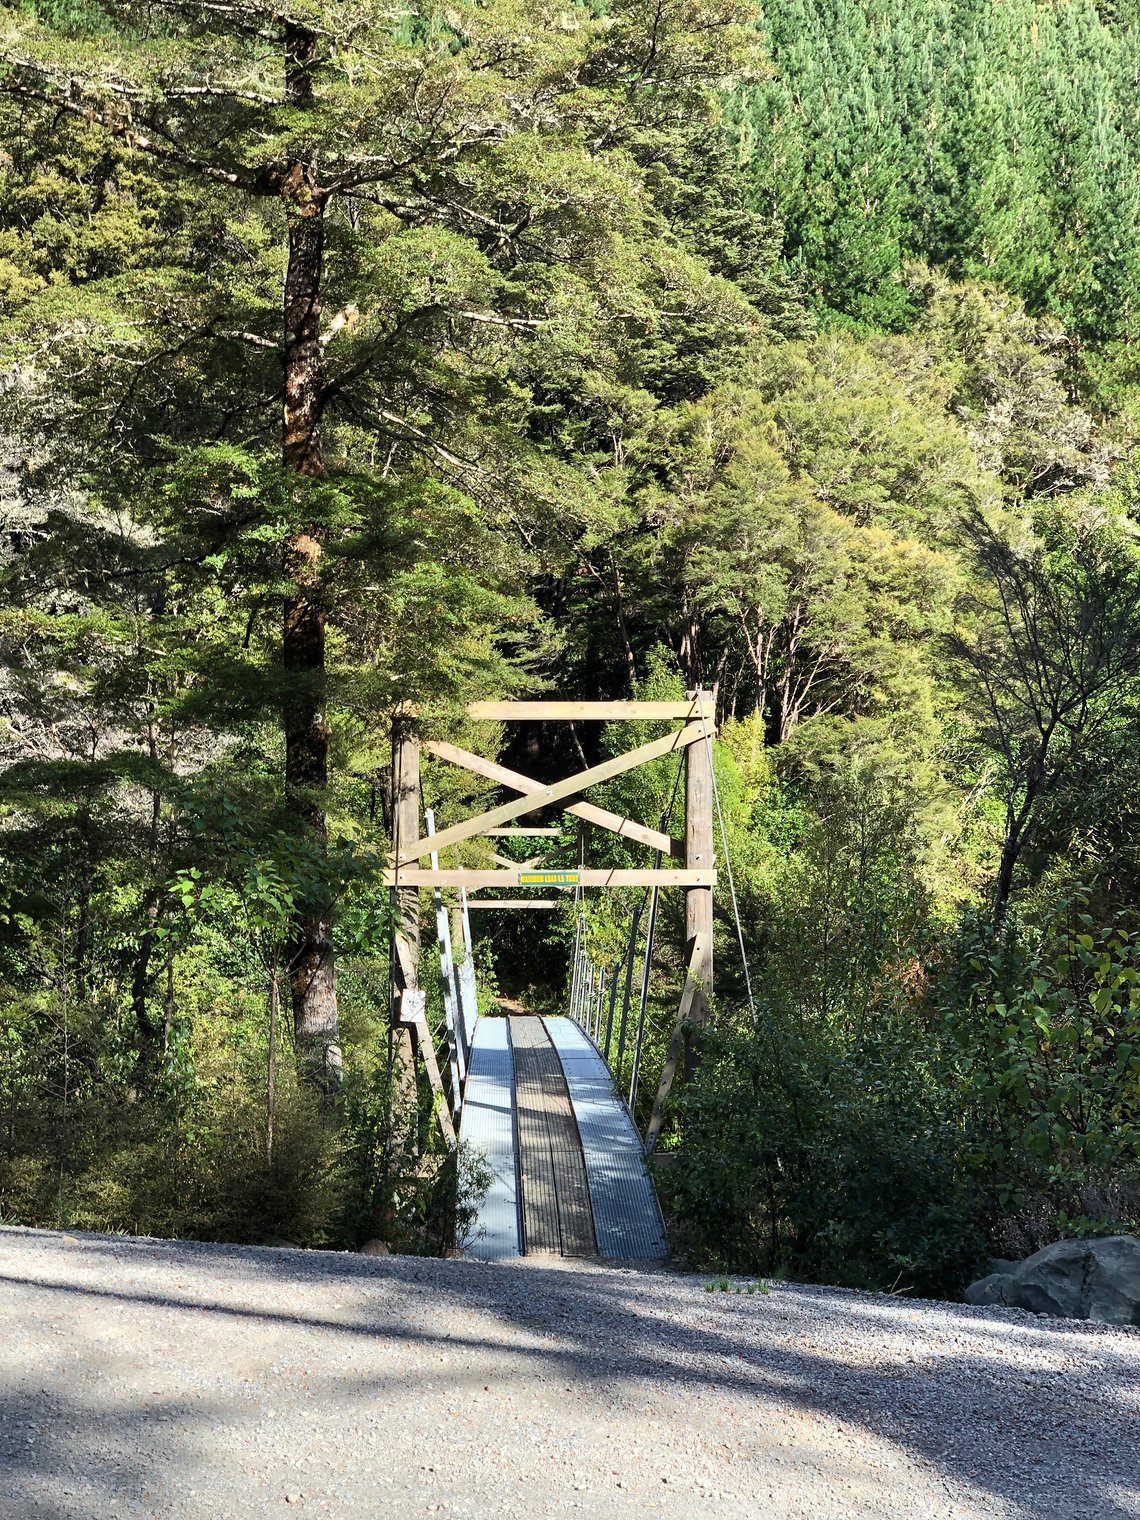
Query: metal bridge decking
x=568 y=1172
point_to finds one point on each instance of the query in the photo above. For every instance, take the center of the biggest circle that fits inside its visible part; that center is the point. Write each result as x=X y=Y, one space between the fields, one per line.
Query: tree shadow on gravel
x=1045 y=1442
x=62 y=1459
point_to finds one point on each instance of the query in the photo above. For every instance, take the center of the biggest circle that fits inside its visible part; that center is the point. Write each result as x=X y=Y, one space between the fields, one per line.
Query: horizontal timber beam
x=601 y=712
x=475 y=880
x=559 y=791
x=513 y=902
x=626 y=828
x=543 y=833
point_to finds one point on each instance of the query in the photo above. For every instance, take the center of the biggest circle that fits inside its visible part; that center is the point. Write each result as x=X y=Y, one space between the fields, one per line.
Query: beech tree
x=482 y=152
x=1056 y=646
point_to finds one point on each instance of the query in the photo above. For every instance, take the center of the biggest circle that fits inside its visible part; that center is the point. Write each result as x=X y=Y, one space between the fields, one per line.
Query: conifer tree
x=993 y=141
x=480 y=154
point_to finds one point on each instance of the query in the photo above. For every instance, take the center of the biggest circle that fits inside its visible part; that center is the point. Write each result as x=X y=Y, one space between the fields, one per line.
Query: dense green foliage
x=996 y=141
x=650 y=349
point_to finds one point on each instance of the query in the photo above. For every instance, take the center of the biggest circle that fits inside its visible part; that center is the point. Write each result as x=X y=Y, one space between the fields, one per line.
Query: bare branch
x=414 y=434
x=495 y=320
x=255 y=340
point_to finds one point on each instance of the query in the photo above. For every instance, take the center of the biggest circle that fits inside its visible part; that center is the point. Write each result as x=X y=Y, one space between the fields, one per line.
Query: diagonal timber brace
x=627 y=828
x=559 y=791
x=413 y=1018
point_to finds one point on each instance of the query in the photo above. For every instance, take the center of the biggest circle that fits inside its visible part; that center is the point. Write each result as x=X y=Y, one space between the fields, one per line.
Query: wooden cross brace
x=536 y=795
x=413 y=1015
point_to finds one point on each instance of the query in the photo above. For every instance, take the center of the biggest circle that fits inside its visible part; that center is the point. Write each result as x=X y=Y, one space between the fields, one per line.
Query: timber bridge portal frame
x=544 y=1083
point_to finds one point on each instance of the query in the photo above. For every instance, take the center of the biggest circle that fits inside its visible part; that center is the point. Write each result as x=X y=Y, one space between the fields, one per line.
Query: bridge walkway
x=568 y=1175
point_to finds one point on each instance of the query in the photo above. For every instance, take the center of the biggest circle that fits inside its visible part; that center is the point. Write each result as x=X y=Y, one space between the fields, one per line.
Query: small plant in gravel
x=726 y=1285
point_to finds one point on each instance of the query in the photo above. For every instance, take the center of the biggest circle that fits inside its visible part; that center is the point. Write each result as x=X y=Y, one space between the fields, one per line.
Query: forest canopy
x=361 y=360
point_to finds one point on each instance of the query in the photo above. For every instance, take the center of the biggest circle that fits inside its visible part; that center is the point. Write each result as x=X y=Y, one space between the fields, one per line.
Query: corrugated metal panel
x=488 y=1125
x=627 y=1217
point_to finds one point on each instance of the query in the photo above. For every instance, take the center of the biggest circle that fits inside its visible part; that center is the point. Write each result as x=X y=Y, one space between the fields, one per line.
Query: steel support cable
x=576 y=965
x=630 y=957
x=727 y=857
x=579 y=934
x=576 y=974
x=654 y=897
x=637 y=1042
x=615 y=974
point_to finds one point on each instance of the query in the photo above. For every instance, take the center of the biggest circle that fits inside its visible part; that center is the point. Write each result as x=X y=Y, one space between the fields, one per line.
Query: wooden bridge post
x=406 y=927
x=700 y=855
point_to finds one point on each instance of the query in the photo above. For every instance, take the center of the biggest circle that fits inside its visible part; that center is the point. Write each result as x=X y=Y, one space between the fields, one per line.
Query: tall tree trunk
x=1017 y=821
x=403 y=1118
x=168 y=999
x=623 y=628
x=271 y=1060
x=689 y=649
x=145 y=1026
x=83 y=905
x=1010 y=850
x=788 y=709
x=313 y=980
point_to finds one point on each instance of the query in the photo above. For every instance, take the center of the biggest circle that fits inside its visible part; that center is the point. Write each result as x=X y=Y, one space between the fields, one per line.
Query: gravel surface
x=180 y=1380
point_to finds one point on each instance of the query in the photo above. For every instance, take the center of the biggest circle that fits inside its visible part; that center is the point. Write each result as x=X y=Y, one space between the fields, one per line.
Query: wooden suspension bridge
x=534 y=1095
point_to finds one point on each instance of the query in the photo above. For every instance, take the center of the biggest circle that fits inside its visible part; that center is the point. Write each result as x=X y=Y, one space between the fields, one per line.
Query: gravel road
x=173 y=1379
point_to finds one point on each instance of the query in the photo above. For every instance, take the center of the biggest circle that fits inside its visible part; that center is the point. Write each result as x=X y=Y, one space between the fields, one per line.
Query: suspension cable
x=579 y=934
x=585 y=977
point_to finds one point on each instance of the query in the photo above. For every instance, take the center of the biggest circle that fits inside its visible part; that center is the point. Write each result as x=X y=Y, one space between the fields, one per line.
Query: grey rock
x=1071 y=1279
x=988 y=1290
x=375 y=1248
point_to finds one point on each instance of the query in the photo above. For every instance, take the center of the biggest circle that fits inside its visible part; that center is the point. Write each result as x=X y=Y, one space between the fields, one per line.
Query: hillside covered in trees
x=620 y=350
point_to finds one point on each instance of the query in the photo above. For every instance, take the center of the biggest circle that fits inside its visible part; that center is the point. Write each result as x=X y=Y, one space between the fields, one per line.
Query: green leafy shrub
x=806 y=1155
x=81 y=1148
x=1046 y=1025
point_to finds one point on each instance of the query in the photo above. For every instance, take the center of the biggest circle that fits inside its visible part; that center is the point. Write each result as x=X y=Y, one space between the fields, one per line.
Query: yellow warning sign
x=548 y=878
